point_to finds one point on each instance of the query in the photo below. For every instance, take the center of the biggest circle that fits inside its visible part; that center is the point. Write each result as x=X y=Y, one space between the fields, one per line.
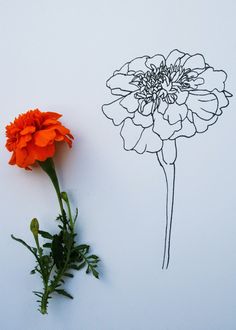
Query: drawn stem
x=167 y=162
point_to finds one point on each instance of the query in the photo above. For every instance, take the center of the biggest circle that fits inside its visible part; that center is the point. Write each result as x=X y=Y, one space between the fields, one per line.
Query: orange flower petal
x=44 y=137
x=52 y=115
x=28 y=130
x=41 y=153
x=68 y=141
x=23 y=141
x=48 y=122
x=44 y=153
x=12 y=161
x=21 y=155
x=60 y=128
x=59 y=138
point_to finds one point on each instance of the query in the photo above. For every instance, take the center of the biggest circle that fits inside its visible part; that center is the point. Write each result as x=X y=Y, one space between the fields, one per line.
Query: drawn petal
x=222 y=99
x=213 y=79
x=144 y=121
x=131 y=134
x=116 y=112
x=190 y=116
x=155 y=60
x=174 y=56
x=202 y=125
x=195 y=83
x=203 y=104
x=147 y=108
x=162 y=126
x=182 y=97
x=175 y=113
x=138 y=64
x=130 y=103
x=119 y=92
x=124 y=69
x=187 y=130
x=149 y=142
x=162 y=107
x=122 y=82
x=195 y=62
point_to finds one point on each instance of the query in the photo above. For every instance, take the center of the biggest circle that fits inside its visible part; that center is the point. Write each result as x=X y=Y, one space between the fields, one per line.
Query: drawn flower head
x=165 y=98
x=33 y=135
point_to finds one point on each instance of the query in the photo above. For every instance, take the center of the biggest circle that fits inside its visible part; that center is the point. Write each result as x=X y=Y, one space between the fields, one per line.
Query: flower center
x=161 y=83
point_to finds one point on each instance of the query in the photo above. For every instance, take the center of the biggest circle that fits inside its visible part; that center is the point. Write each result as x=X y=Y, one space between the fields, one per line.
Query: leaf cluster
x=58 y=258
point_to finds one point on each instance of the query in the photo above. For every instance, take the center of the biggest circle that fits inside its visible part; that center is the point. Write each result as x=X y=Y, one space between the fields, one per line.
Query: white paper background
x=57 y=55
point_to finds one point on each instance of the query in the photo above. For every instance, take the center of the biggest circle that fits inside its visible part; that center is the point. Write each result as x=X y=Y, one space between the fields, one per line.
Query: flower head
x=33 y=135
x=163 y=98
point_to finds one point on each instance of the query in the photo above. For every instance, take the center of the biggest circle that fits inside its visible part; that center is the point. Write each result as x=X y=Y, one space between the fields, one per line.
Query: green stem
x=46 y=293
x=61 y=273
x=38 y=246
x=44 y=302
x=44 y=299
x=66 y=200
x=49 y=167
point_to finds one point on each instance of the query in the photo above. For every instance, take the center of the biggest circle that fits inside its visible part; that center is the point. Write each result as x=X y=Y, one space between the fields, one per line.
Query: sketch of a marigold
x=161 y=99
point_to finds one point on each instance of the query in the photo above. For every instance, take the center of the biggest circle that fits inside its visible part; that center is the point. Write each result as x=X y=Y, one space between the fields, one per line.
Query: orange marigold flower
x=32 y=137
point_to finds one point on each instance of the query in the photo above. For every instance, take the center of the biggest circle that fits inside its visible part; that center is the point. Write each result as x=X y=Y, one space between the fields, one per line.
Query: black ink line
x=169 y=171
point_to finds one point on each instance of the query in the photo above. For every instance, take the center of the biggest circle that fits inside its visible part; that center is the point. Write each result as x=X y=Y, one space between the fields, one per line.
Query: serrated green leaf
x=25 y=244
x=78 y=267
x=93 y=256
x=76 y=214
x=45 y=234
x=95 y=273
x=57 y=250
x=68 y=239
x=68 y=275
x=76 y=256
x=38 y=294
x=88 y=270
x=64 y=293
x=47 y=245
x=82 y=247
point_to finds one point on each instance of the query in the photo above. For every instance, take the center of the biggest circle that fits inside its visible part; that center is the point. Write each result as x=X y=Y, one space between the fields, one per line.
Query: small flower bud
x=34 y=226
x=64 y=196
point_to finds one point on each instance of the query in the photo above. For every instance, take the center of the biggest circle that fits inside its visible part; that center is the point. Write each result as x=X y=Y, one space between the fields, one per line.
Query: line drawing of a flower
x=158 y=100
